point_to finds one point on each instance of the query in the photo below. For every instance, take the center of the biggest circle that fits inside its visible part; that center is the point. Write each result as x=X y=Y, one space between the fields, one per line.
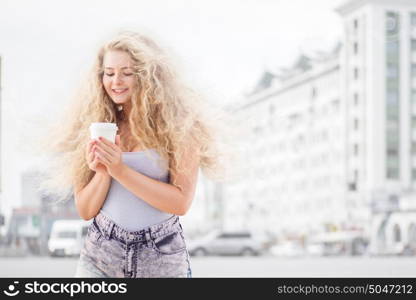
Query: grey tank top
x=123 y=207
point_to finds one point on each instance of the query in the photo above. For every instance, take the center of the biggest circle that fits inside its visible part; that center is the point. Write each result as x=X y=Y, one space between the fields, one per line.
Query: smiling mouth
x=119 y=91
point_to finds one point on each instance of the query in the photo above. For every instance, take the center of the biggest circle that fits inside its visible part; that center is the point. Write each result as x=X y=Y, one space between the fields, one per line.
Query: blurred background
x=324 y=92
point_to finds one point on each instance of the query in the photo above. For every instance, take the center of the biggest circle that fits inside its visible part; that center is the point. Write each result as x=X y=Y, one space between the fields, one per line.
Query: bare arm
x=91 y=198
x=163 y=196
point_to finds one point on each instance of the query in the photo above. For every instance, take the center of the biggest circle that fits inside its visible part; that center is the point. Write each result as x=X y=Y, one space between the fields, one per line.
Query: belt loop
x=148 y=236
x=108 y=230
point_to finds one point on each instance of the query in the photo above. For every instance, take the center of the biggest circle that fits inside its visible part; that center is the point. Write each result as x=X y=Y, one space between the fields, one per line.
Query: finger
x=94 y=163
x=108 y=156
x=102 y=159
x=107 y=143
x=89 y=146
x=106 y=148
x=90 y=157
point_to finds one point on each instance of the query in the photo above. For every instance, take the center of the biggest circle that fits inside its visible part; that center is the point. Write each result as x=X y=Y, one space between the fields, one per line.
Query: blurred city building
x=2 y=219
x=332 y=139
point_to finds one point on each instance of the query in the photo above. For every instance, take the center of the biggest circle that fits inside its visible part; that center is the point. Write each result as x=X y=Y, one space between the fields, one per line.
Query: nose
x=117 y=79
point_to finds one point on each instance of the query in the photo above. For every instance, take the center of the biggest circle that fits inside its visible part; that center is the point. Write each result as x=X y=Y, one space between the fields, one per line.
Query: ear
x=117 y=140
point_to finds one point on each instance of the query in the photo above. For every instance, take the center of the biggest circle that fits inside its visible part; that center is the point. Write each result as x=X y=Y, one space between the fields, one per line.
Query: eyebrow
x=121 y=68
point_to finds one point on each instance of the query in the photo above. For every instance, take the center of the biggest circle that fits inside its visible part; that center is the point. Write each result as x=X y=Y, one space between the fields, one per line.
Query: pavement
x=225 y=266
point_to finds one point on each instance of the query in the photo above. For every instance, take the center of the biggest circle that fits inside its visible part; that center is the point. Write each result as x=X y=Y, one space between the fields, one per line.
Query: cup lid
x=104 y=125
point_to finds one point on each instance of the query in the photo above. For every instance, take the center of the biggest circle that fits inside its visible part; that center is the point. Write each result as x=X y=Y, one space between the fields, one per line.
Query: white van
x=67 y=237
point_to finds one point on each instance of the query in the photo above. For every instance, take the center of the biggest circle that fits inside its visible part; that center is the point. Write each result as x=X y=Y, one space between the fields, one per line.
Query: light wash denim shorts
x=155 y=251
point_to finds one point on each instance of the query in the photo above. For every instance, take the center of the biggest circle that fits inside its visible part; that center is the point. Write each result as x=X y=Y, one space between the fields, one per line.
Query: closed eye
x=129 y=74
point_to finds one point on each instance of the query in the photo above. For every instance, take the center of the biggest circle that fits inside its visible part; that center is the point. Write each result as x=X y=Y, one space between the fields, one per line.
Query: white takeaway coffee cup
x=106 y=130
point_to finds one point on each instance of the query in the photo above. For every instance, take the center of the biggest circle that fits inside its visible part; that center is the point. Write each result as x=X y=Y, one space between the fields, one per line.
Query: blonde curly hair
x=166 y=115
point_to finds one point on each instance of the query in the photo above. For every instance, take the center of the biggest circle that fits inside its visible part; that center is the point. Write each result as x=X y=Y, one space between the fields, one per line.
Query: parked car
x=408 y=250
x=228 y=243
x=67 y=237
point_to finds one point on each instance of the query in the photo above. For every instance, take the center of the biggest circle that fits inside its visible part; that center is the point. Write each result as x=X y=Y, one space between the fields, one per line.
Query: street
x=237 y=267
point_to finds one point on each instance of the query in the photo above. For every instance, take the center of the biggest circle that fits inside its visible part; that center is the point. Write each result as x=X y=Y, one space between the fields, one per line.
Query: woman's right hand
x=92 y=161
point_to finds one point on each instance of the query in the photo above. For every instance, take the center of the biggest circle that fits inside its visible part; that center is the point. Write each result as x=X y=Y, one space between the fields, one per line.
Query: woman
x=136 y=188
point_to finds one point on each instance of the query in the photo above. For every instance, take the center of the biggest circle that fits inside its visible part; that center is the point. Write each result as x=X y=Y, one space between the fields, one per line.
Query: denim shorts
x=155 y=251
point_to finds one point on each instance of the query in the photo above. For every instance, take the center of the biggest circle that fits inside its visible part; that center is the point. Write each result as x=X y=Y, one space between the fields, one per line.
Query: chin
x=118 y=102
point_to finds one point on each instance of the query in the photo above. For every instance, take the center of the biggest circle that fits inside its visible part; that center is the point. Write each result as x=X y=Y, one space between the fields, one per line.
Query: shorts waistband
x=110 y=229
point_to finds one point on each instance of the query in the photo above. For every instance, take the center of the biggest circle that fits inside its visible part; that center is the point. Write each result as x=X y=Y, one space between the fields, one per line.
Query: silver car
x=228 y=243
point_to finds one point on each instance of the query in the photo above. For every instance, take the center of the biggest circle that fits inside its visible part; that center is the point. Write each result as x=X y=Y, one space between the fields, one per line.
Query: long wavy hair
x=166 y=115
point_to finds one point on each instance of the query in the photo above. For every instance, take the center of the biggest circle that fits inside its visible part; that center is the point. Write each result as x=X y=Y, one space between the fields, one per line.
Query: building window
x=392 y=173
x=355 y=149
x=355 y=24
x=413 y=45
x=313 y=92
x=413 y=96
x=352 y=186
x=392 y=100
x=413 y=19
x=413 y=91
x=397 y=234
x=392 y=152
x=355 y=73
x=392 y=70
x=356 y=124
x=391 y=51
x=356 y=99
x=413 y=122
x=392 y=164
x=355 y=48
x=392 y=25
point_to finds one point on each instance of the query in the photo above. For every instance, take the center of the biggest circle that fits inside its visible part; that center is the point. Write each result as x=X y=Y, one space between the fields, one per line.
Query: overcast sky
x=221 y=46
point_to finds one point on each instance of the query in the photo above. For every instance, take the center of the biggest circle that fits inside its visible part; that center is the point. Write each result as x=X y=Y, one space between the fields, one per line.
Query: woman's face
x=118 y=78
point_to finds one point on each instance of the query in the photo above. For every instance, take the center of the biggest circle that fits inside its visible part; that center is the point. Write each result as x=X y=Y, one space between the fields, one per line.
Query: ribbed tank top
x=126 y=209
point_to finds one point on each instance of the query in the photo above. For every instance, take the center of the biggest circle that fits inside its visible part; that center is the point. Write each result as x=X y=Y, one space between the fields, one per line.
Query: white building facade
x=296 y=150
x=378 y=86
x=333 y=139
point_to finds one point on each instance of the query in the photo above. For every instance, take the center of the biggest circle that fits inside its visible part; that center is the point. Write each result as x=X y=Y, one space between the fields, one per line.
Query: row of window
x=413 y=91
x=301 y=185
x=392 y=29
x=393 y=94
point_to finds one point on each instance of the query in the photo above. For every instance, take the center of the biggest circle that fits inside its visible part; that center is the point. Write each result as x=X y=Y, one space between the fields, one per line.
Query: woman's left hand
x=109 y=154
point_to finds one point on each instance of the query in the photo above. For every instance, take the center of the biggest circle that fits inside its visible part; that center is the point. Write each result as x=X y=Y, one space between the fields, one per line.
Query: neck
x=125 y=112
x=127 y=109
